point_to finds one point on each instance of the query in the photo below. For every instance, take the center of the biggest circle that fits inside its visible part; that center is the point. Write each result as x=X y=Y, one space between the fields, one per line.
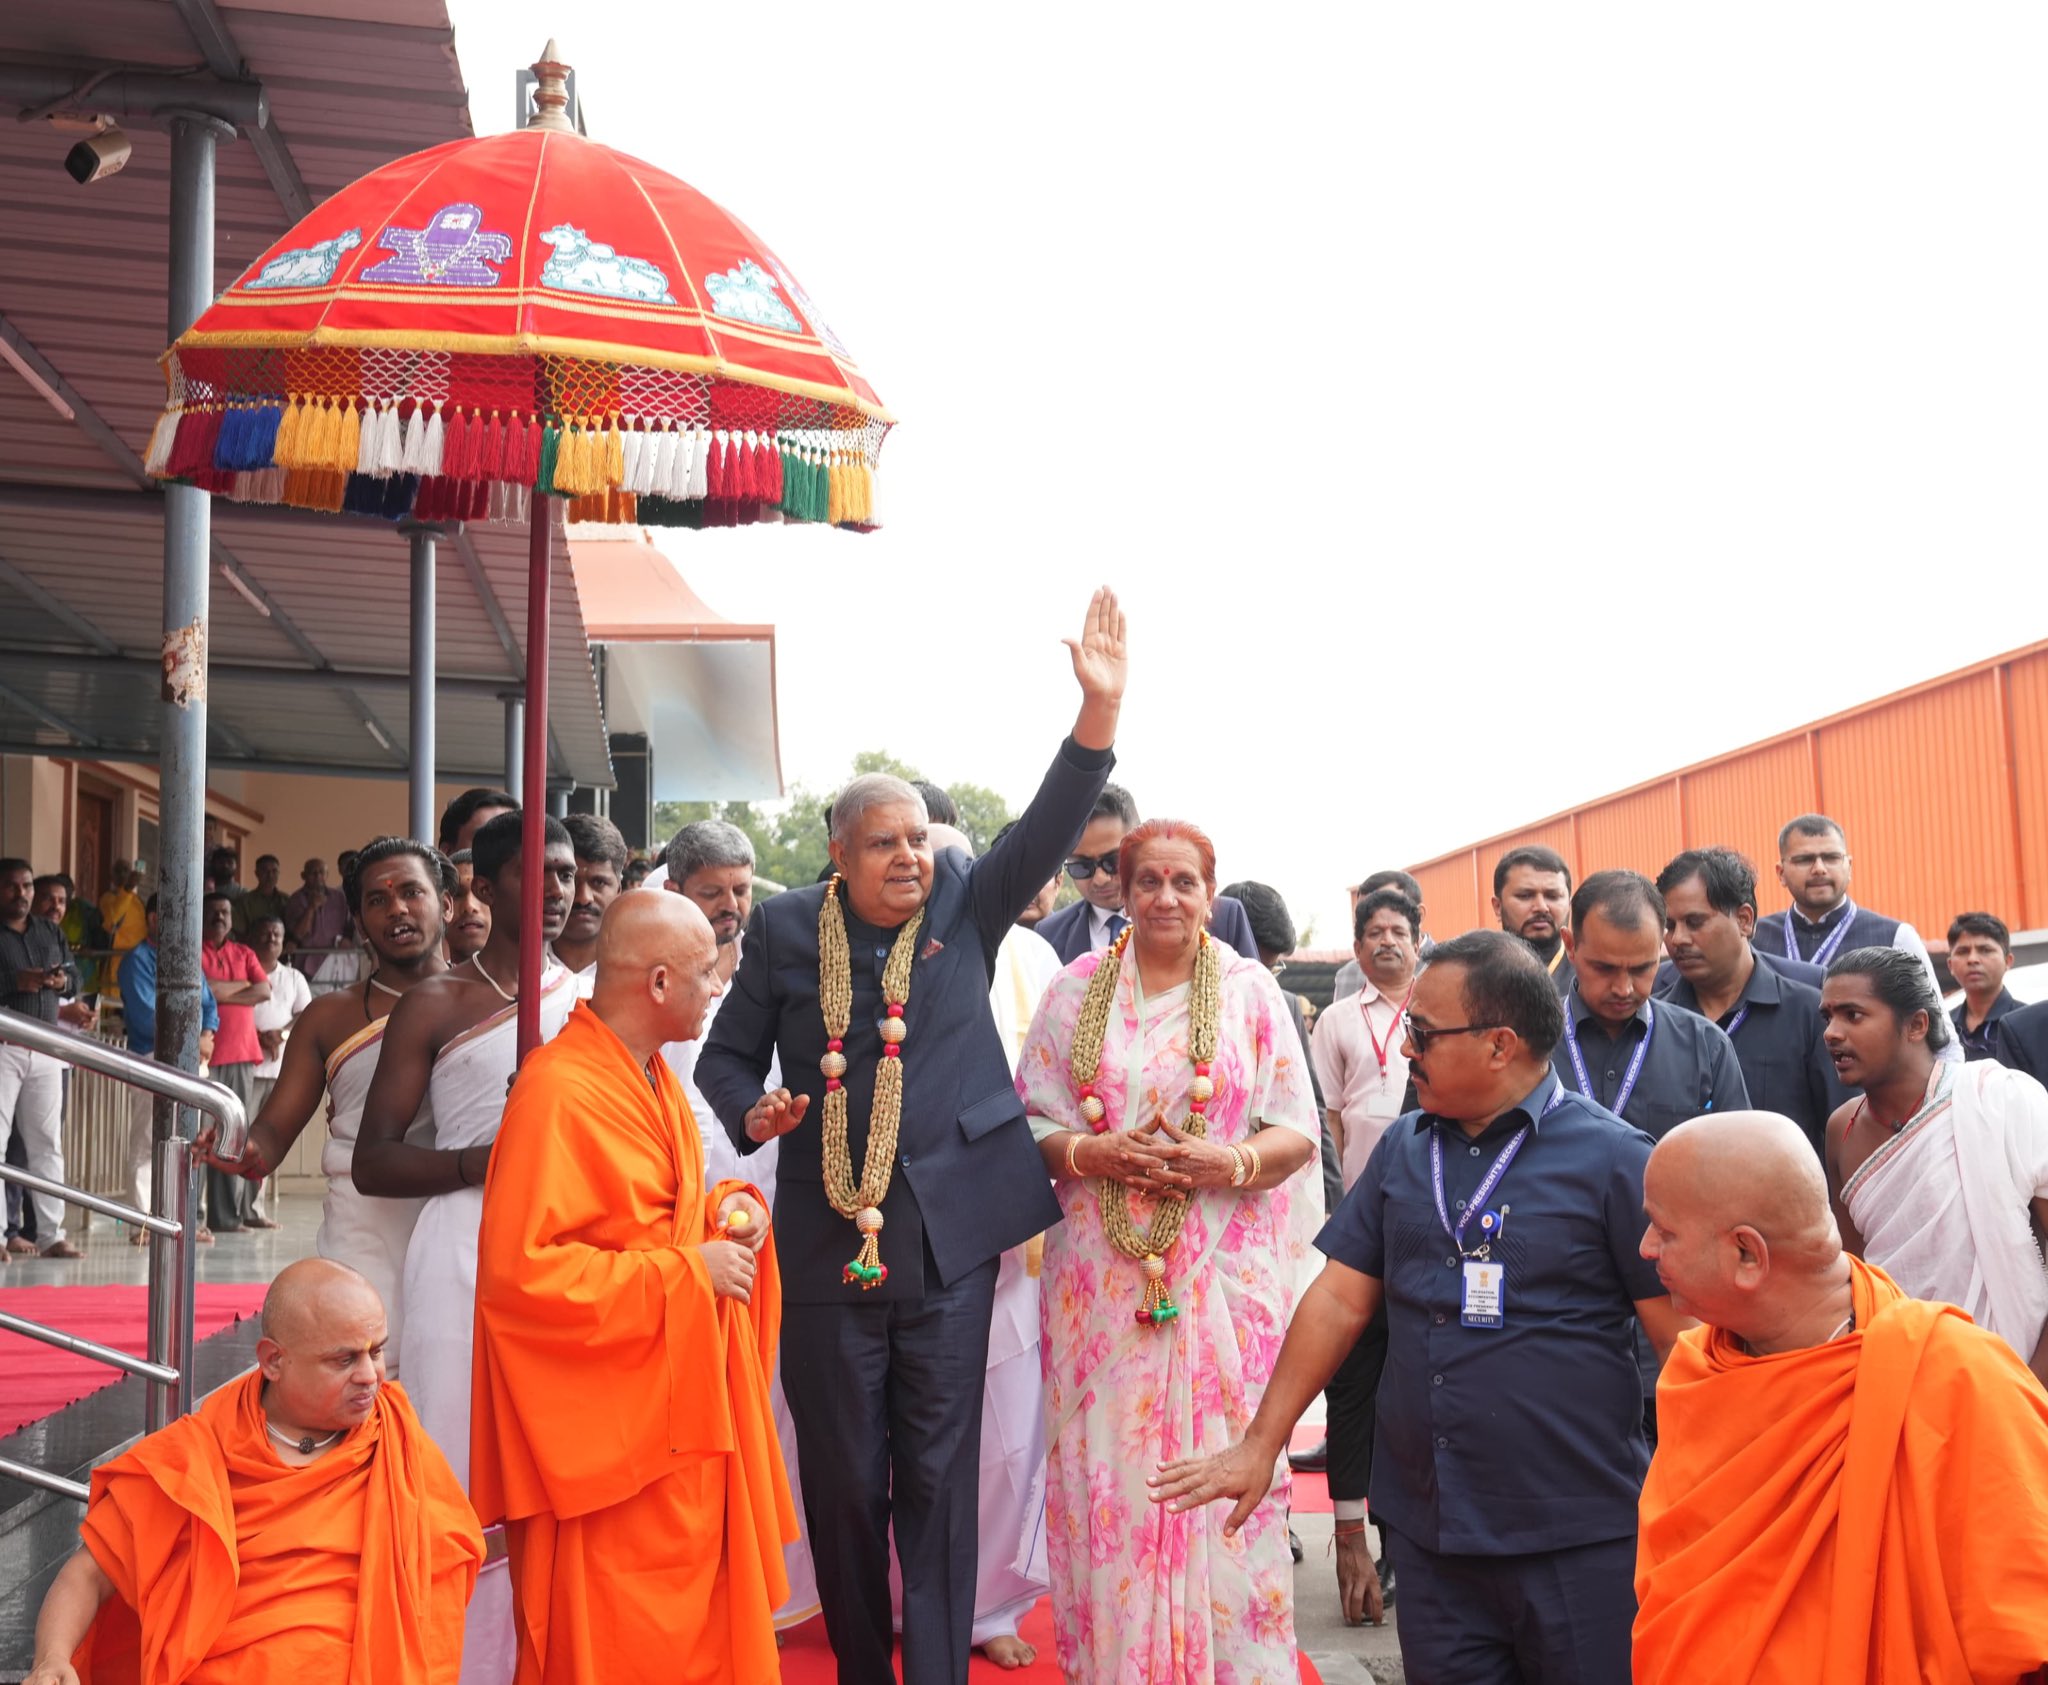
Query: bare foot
x=1007 y=1650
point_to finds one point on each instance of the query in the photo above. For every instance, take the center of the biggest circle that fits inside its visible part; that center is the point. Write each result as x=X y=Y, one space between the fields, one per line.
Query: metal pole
x=515 y=744
x=421 y=788
x=181 y=778
x=173 y=1265
x=534 y=784
x=558 y=801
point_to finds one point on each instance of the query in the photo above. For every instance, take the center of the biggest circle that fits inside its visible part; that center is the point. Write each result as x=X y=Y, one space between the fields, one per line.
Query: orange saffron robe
x=1872 y=1509
x=230 y=1566
x=622 y=1426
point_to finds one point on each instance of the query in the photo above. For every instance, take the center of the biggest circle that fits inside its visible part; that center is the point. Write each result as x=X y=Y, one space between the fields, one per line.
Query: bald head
x=322 y=1349
x=657 y=961
x=309 y=1300
x=1740 y=1227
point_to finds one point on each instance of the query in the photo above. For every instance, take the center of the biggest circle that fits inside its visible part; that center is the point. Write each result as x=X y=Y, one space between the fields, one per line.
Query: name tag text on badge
x=1485 y=1299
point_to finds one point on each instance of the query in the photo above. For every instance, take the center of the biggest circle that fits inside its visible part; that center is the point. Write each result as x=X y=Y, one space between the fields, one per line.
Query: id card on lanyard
x=1635 y=1065
x=1826 y=951
x=1483 y=1296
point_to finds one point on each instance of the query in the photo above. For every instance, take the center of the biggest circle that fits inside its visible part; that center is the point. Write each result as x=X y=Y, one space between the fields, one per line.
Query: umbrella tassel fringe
x=454 y=445
x=156 y=461
x=285 y=452
x=351 y=444
x=550 y=449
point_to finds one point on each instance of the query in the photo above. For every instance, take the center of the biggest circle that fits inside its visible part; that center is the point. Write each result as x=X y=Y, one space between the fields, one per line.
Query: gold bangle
x=1073 y=1146
x=1258 y=1167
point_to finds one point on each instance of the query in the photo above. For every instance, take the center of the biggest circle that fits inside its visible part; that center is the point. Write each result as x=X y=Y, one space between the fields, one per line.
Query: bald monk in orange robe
x=625 y=1334
x=1849 y=1484
x=299 y=1527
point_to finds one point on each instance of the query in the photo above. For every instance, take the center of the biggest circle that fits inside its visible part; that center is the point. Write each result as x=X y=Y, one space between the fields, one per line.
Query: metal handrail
x=172 y=1227
x=137 y=1070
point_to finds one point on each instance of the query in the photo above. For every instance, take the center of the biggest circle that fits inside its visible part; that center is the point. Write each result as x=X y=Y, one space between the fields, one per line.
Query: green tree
x=790 y=844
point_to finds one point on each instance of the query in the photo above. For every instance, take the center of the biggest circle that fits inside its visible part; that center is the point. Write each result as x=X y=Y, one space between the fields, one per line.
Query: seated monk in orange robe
x=625 y=1333
x=1849 y=1484
x=298 y=1528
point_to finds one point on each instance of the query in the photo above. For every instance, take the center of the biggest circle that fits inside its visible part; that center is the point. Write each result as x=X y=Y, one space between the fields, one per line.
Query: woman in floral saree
x=1171 y=1100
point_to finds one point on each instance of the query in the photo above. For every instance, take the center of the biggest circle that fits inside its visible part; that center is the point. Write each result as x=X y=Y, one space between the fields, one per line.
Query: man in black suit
x=2023 y=1040
x=884 y=1376
x=1095 y=920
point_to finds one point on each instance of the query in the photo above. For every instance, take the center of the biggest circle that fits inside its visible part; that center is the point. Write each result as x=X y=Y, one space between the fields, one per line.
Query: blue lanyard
x=1635 y=1065
x=1739 y=1018
x=1499 y=1169
x=1826 y=951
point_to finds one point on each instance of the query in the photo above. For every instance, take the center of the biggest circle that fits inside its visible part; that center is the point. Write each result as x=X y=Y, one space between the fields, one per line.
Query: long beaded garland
x=835 y=996
x=1149 y=1245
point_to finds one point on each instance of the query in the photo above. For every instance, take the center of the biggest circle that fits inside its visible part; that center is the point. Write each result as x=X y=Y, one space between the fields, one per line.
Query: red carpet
x=807 y=1658
x=41 y=1380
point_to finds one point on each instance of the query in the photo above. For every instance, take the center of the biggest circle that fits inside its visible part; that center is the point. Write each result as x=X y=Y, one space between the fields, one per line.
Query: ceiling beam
x=209 y=31
x=21 y=658
x=139 y=99
x=12 y=698
x=144 y=754
x=88 y=420
x=30 y=591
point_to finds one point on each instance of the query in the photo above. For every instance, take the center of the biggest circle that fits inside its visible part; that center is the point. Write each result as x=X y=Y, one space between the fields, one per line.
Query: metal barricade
x=172 y=1226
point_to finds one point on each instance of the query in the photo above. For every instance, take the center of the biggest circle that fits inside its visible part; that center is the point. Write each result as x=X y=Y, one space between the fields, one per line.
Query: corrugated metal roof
x=1942 y=789
x=84 y=274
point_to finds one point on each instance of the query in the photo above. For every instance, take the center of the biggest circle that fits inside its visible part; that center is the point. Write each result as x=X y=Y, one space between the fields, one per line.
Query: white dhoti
x=466 y=1097
x=723 y=1162
x=368 y=1234
x=1944 y=1207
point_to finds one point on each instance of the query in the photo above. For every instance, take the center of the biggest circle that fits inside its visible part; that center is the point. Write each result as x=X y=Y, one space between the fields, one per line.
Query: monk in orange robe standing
x=625 y=1334
x=1849 y=1484
x=298 y=1527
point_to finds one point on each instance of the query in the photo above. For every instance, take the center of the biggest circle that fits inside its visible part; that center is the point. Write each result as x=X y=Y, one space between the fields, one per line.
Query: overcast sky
x=1478 y=407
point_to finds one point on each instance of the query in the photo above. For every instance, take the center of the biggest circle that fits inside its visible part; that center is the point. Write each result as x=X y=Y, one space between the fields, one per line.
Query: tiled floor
x=252 y=1255
x=37 y=1532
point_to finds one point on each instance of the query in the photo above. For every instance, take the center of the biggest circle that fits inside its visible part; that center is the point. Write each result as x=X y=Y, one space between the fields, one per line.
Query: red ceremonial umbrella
x=479 y=327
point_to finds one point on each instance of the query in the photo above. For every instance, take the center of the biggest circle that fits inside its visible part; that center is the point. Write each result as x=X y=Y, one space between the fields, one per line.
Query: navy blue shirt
x=1776 y=1029
x=1982 y=1042
x=1526 y=1437
x=1689 y=1070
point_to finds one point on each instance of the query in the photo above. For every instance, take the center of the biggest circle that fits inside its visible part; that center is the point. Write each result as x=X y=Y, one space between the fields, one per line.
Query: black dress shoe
x=1294 y=1544
x=1386 y=1582
x=1315 y=1460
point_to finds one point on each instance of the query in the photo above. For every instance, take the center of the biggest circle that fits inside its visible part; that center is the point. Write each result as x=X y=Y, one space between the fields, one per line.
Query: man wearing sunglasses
x=1499 y=1226
x=1094 y=921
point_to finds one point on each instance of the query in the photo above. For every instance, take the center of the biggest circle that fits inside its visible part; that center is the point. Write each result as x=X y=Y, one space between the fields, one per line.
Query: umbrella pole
x=534 y=794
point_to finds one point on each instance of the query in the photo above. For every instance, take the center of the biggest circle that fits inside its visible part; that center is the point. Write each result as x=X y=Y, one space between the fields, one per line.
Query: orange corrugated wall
x=1942 y=788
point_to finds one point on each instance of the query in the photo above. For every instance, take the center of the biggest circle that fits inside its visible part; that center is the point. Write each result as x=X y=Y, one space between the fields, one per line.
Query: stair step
x=38 y=1529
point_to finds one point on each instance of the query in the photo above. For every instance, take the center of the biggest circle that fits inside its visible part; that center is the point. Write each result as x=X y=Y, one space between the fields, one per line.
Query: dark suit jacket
x=1067 y=929
x=969 y=1181
x=2023 y=1040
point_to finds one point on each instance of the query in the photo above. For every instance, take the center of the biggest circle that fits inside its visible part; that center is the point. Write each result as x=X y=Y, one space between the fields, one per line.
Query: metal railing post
x=172 y=1269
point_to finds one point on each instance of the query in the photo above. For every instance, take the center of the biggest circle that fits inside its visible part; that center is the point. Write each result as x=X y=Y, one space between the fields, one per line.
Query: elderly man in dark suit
x=906 y=1170
x=1094 y=921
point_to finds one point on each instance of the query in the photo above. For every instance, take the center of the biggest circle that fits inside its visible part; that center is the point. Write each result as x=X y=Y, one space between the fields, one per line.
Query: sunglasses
x=1422 y=1037
x=1081 y=868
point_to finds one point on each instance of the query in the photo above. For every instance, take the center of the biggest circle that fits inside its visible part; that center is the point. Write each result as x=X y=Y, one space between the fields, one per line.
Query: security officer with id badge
x=1499 y=1223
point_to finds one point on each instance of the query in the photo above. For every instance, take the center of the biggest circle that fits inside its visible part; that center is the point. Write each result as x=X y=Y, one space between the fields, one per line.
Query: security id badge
x=1485 y=1300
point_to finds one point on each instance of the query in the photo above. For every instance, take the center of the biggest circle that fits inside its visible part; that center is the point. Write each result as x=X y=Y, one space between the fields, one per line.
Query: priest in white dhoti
x=712 y=863
x=1940 y=1169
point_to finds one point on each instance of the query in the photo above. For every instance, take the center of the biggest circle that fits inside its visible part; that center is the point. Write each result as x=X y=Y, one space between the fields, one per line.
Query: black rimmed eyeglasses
x=1422 y=1036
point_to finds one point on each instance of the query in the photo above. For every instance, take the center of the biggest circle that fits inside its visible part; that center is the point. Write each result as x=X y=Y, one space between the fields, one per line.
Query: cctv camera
x=99 y=156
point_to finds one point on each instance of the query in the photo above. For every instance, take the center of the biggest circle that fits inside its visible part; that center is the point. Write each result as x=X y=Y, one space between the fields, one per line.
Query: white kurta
x=1010 y=1571
x=724 y=1162
x=369 y=1235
